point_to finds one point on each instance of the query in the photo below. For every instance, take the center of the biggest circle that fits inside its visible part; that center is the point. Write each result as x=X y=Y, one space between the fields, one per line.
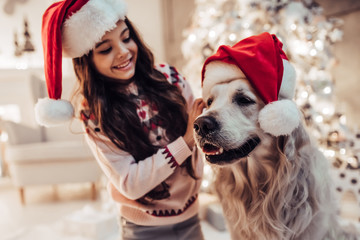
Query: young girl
x=138 y=117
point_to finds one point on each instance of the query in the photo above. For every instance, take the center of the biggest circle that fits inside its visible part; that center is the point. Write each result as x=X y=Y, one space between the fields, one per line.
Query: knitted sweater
x=161 y=170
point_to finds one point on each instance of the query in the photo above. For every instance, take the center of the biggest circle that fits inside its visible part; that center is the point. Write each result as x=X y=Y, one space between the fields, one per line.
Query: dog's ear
x=289 y=145
x=286 y=145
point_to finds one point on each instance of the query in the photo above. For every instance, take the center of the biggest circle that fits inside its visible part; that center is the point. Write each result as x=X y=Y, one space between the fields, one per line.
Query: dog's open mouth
x=217 y=155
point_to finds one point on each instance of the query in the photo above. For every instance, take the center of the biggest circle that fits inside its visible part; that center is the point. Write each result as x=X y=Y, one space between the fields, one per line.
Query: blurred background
x=45 y=191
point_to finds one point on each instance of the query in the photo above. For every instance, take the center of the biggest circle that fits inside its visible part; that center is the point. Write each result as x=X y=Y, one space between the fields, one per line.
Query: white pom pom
x=279 y=118
x=50 y=112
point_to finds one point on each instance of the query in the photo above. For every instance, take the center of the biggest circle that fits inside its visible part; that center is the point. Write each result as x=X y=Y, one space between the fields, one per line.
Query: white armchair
x=37 y=155
x=42 y=156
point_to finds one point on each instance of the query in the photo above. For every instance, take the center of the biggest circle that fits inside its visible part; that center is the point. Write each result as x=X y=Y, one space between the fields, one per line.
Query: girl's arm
x=132 y=179
x=135 y=179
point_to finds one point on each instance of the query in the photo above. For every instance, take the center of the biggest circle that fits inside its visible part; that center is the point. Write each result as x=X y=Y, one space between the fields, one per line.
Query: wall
x=32 y=10
x=179 y=16
x=147 y=15
x=347 y=52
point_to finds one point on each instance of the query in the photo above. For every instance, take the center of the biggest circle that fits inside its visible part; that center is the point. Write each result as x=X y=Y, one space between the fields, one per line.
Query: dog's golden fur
x=282 y=189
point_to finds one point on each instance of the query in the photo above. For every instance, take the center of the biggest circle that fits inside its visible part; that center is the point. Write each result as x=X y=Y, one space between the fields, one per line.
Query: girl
x=138 y=117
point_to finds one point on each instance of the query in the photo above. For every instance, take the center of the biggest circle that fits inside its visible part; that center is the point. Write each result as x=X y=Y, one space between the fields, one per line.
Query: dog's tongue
x=210 y=149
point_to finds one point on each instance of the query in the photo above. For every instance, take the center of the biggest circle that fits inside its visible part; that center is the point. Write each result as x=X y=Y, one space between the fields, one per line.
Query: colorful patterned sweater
x=160 y=171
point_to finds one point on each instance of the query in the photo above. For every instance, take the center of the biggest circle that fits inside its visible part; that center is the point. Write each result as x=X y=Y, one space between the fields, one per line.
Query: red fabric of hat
x=53 y=19
x=260 y=59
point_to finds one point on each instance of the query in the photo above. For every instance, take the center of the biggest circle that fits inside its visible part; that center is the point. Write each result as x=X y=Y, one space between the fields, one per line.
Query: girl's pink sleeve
x=135 y=179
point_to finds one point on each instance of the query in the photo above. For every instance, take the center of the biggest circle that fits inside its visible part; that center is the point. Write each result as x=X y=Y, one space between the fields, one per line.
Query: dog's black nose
x=205 y=125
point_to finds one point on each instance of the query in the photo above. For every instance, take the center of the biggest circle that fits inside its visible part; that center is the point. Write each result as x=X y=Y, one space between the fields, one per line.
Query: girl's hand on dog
x=195 y=111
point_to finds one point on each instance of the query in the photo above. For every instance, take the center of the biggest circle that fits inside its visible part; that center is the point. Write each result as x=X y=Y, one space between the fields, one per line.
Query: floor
x=48 y=209
x=48 y=212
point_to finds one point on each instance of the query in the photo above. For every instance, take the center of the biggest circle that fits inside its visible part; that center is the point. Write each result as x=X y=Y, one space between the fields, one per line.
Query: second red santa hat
x=262 y=61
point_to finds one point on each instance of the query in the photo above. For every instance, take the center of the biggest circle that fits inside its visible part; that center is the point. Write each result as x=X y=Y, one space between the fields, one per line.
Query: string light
x=319 y=119
x=342 y=119
x=313 y=52
x=327 y=90
x=319 y=45
x=212 y=11
x=246 y=25
x=4 y=137
x=304 y=94
x=342 y=151
x=327 y=111
x=352 y=160
x=205 y=183
x=329 y=153
x=192 y=38
x=212 y=34
x=232 y=37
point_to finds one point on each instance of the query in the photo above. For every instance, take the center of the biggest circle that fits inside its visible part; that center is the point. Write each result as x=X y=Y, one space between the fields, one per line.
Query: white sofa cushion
x=21 y=134
x=54 y=172
x=48 y=151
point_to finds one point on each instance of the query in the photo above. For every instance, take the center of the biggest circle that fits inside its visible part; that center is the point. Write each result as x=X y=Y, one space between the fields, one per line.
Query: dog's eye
x=209 y=102
x=242 y=100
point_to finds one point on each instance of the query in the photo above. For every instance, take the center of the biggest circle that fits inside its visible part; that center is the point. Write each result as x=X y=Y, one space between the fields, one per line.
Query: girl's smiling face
x=116 y=54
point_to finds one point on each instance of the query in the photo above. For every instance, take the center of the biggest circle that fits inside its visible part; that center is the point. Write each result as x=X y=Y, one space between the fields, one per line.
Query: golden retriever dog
x=272 y=183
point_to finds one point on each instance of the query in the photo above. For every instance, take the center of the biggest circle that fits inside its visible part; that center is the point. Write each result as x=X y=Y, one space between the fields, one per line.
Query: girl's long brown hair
x=116 y=112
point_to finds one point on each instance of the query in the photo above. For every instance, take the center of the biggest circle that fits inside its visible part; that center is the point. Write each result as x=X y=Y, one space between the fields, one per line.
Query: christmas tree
x=308 y=37
x=28 y=46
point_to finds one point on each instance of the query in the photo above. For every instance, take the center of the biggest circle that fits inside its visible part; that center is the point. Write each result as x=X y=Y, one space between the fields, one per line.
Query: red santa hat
x=262 y=61
x=72 y=27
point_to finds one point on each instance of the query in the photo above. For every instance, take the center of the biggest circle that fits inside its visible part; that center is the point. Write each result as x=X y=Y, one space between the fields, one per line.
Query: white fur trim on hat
x=282 y=117
x=279 y=118
x=287 y=88
x=219 y=72
x=87 y=26
x=50 y=112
